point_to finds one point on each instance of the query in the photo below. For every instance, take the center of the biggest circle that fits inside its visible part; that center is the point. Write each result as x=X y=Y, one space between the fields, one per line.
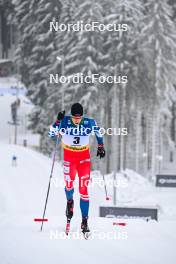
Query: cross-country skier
x=75 y=130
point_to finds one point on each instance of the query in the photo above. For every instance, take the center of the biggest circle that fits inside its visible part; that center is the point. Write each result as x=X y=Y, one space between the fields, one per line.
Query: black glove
x=60 y=115
x=101 y=151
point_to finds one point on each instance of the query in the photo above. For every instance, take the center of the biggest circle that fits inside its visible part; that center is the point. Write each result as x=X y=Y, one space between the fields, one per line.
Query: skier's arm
x=53 y=131
x=97 y=132
x=100 y=150
x=54 y=128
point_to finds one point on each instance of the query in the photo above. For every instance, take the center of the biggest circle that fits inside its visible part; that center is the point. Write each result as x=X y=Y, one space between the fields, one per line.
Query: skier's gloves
x=60 y=115
x=101 y=151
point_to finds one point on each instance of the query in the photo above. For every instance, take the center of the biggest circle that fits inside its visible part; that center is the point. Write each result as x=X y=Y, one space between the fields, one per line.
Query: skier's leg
x=69 y=173
x=69 y=176
x=84 y=177
x=70 y=202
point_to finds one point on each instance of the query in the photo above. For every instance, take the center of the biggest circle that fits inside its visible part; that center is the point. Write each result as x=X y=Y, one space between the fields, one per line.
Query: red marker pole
x=40 y=220
x=119 y=223
x=51 y=174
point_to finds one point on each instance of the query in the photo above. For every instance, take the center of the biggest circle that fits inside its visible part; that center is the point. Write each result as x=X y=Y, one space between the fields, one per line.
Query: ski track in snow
x=23 y=191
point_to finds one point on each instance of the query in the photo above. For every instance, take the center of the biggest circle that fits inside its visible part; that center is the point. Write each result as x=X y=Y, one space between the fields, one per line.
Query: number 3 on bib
x=76 y=140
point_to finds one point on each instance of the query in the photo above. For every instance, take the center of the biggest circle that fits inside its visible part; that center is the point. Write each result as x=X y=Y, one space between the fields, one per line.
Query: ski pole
x=105 y=186
x=51 y=174
x=106 y=193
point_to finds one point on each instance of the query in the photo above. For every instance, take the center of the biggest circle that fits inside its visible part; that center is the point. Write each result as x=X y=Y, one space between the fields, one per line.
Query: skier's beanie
x=77 y=109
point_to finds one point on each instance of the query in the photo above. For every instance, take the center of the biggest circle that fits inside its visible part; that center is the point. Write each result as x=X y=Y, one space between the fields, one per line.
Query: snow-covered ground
x=22 y=195
x=135 y=190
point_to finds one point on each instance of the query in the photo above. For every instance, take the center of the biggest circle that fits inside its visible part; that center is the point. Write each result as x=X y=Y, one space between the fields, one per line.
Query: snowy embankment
x=22 y=195
x=135 y=190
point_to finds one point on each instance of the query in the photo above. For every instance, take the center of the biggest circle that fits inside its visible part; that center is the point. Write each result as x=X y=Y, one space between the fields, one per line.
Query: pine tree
x=84 y=55
x=124 y=51
x=24 y=18
x=159 y=42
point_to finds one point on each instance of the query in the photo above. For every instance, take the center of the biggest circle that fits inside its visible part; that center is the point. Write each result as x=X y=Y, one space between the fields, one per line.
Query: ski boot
x=69 y=214
x=69 y=209
x=84 y=228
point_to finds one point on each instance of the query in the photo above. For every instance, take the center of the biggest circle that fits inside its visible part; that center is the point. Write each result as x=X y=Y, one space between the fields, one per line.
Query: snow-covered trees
x=145 y=53
x=35 y=50
x=159 y=42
